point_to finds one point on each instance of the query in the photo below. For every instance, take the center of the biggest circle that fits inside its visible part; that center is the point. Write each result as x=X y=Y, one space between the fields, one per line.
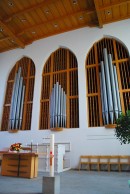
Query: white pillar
x=52 y=155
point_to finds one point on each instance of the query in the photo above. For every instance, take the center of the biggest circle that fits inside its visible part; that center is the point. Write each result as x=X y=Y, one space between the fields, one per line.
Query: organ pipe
x=18 y=103
x=15 y=117
x=57 y=107
x=117 y=91
x=105 y=101
x=108 y=84
x=113 y=86
x=111 y=107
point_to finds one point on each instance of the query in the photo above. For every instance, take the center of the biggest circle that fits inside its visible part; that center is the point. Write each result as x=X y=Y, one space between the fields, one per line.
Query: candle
x=52 y=155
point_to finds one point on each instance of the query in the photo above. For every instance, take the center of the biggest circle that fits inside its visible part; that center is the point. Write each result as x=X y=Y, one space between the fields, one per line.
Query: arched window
x=60 y=71
x=100 y=79
x=17 y=111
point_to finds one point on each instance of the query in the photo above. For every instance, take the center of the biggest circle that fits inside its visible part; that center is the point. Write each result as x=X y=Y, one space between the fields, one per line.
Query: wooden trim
x=68 y=92
x=26 y=98
x=51 y=83
x=110 y=126
x=13 y=131
x=98 y=85
x=118 y=75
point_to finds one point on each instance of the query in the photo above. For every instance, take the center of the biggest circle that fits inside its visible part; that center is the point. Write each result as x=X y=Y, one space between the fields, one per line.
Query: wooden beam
x=98 y=14
x=33 y=27
x=114 y=4
x=29 y=9
x=12 y=35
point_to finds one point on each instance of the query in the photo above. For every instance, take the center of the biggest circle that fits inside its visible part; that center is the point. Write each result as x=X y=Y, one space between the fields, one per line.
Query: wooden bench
x=109 y=161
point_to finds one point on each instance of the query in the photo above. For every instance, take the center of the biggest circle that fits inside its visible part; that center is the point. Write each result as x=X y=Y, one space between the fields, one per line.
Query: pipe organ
x=111 y=106
x=17 y=102
x=59 y=78
x=57 y=107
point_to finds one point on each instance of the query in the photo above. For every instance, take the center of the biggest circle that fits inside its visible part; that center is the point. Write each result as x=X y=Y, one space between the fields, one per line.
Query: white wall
x=83 y=140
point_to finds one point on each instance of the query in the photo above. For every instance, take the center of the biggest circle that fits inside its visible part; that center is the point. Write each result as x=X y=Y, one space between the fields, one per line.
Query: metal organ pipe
x=113 y=87
x=103 y=81
x=117 y=91
x=57 y=107
x=111 y=106
x=16 y=107
x=108 y=85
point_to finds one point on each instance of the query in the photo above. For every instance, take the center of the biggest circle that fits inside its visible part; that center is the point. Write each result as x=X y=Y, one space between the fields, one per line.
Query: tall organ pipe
x=15 y=117
x=102 y=99
x=21 y=107
x=103 y=80
x=61 y=107
x=110 y=97
x=117 y=90
x=51 y=108
x=59 y=104
x=64 y=109
x=113 y=87
x=108 y=84
x=18 y=103
x=14 y=100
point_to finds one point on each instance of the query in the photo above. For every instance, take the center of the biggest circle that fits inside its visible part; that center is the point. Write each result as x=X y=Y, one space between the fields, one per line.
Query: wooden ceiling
x=24 y=21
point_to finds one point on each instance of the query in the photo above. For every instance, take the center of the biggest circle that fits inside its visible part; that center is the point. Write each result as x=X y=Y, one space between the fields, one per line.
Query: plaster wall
x=83 y=140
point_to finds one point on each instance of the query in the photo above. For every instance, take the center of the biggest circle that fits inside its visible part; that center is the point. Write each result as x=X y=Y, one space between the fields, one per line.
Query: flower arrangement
x=16 y=147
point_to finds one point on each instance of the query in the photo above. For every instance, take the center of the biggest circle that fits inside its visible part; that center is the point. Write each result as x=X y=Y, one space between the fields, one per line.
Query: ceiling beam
x=11 y=35
x=29 y=9
x=114 y=4
x=55 y=20
x=98 y=14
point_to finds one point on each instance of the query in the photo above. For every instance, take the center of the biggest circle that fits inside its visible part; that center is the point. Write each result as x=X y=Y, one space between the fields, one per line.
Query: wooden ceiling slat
x=30 y=20
x=53 y=20
x=114 y=4
x=116 y=12
x=61 y=8
x=54 y=11
x=29 y=9
x=12 y=35
x=128 y=8
x=123 y=10
x=4 y=38
x=64 y=30
x=117 y=19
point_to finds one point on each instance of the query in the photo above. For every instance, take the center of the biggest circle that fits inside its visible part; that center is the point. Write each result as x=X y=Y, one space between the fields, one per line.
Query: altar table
x=20 y=165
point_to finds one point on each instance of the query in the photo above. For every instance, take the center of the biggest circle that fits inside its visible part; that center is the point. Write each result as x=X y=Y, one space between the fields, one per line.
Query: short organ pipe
x=57 y=107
